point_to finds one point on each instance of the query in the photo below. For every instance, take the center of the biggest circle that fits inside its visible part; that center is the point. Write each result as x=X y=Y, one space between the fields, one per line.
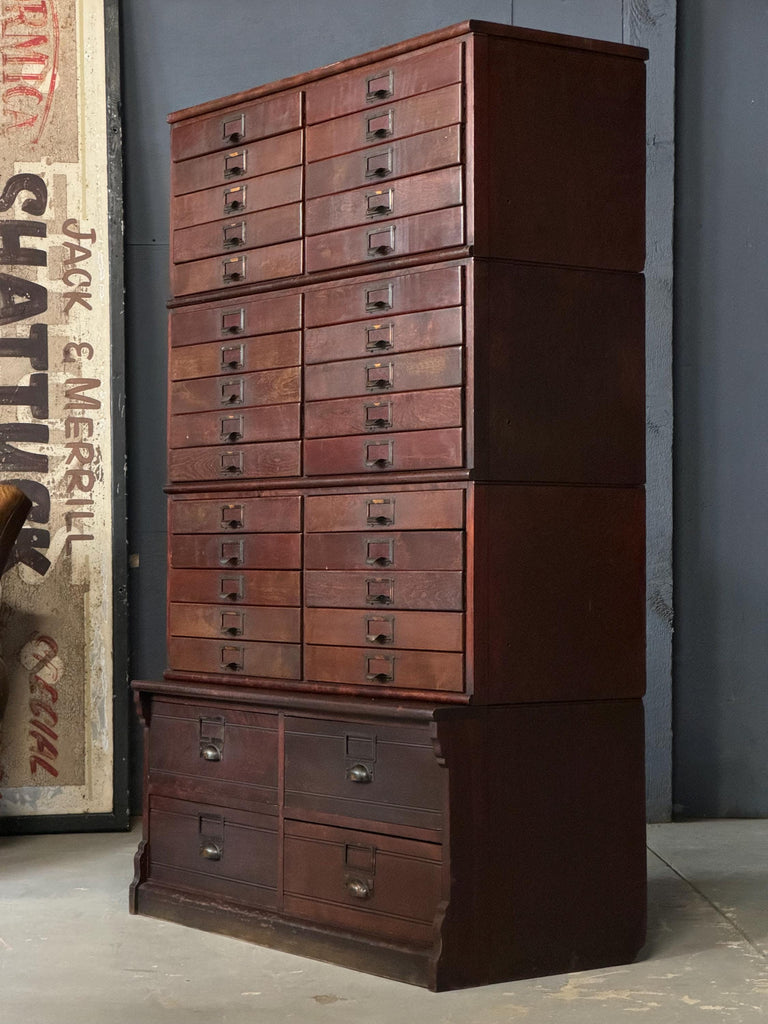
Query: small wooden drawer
x=235 y=234
x=375 y=771
x=271 y=459
x=230 y=854
x=380 y=202
x=432 y=591
x=244 y=551
x=383 y=296
x=435 y=328
x=247 y=515
x=235 y=658
x=243 y=197
x=403 y=236
x=276 y=625
x=382 y=374
x=265 y=264
x=213 y=753
x=411 y=670
x=237 y=162
x=389 y=121
x=238 y=355
x=234 y=587
x=387 y=162
x=262 y=423
x=384 y=886
x=418 y=410
x=237 y=126
x=419 y=449
x=410 y=631
x=393 y=551
x=267 y=387
x=402 y=510
x=374 y=84
x=243 y=318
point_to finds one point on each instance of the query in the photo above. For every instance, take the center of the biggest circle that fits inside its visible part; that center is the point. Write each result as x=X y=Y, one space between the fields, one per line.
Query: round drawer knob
x=359 y=773
x=358 y=889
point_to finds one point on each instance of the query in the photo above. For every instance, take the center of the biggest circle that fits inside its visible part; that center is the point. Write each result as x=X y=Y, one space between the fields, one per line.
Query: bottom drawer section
x=230 y=854
x=361 y=882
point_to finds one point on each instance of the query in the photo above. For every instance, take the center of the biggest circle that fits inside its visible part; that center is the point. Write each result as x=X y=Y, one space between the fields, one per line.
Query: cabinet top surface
x=384 y=53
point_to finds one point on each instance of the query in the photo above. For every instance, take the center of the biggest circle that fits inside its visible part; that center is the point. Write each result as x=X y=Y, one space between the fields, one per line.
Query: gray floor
x=71 y=954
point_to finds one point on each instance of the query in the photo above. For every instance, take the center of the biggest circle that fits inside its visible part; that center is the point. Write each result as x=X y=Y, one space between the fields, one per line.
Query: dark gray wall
x=721 y=368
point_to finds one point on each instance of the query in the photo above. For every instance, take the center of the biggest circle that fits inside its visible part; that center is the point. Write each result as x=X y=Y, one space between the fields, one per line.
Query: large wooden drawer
x=215 y=754
x=236 y=234
x=265 y=387
x=379 y=772
x=237 y=163
x=236 y=126
x=439 y=591
x=266 y=352
x=235 y=658
x=394 y=120
x=427 y=549
x=411 y=371
x=210 y=204
x=416 y=410
x=403 y=236
x=434 y=328
x=418 y=449
x=260 y=423
x=250 y=515
x=231 y=854
x=384 y=886
x=272 y=459
x=238 y=318
x=276 y=625
x=374 y=84
x=230 y=587
x=270 y=262
x=387 y=162
x=403 y=510
x=415 y=631
x=386 y=296
x=246 y=551
x=412 y=670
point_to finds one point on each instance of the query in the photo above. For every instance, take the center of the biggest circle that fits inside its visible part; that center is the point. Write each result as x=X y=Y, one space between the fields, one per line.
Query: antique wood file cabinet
x=401 y=725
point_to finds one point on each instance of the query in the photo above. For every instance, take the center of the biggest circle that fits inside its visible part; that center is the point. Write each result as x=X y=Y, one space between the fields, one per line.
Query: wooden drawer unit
x=408 y=670
x=418 y=410
x=388 y=336
x=266 y=387
x=267 y=352
x=237 y=319
x=387 y=509
x=439 y=591
x=235 y=234
x=412 y=371
x=280 y=188
x=247 y=515
x=422 y=449
x=437 y=631
x=260 y=423
x=235 y=587
x=393 y=551
x=280 y=458
x=236 y=164
x=240 y=125
x=273 y=261
x=278 y=625
x=245 y=551
x=235 y=657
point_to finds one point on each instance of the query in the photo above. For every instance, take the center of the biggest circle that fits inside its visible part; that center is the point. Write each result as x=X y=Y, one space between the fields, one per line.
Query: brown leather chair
x=14 y=508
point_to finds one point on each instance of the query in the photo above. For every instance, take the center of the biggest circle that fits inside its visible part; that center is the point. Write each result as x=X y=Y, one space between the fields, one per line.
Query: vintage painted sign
x=56 y=602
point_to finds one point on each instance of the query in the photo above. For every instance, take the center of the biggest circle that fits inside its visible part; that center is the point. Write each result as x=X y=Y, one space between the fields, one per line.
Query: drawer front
x=385 y=296
x=215 y=358
x=207 y=749
x=272 y=459
x=230 y=587
x=439 y=591
x=237 y=162
x=381 y=885
x=252 y=515
x=233 y=234
x=361 y=770
x=268 y=387
x=428 y=549
x=235 y=658
x=276 y=625
x=411 y=371
x=404 y=510
x=413 y=670
x=240 y=319
x=420 y=449
x=375 y=84
x=231 y=854
x=387 y=162
x=375 y=203
x=262 y=423
x=236 y=126
x=418 y=410
x=410 y=631
x=271 y=262
x=246 y=551
x=263 y=193
x=394 y=120
x=435 y=328
x=400 y=237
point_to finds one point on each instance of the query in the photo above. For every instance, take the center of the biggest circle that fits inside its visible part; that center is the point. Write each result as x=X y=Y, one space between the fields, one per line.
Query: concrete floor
x=71 y=954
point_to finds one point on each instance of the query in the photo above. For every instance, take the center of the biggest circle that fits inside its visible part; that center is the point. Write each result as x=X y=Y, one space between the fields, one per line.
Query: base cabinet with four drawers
x=401 y=725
